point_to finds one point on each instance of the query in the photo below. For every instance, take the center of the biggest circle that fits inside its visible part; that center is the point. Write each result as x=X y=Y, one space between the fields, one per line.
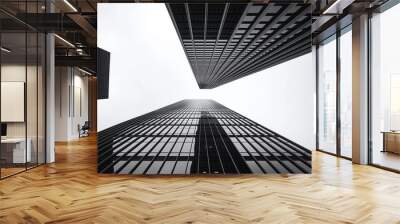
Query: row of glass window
x=22 y=87
x=384 y=91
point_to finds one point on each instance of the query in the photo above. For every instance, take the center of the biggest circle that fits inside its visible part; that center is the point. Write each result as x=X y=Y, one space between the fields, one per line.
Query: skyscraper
x=197 y=137
x=225 y=42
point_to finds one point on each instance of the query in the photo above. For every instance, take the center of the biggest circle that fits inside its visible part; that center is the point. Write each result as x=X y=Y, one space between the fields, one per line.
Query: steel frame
x=339 y=32
x=197 y=137
x=27 y=29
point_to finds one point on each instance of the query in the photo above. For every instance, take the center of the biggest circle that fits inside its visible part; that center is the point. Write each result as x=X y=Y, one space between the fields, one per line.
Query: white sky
x=149 y=70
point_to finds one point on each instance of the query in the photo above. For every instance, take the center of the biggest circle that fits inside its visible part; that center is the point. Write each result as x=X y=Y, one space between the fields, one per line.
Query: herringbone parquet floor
x=70 y=191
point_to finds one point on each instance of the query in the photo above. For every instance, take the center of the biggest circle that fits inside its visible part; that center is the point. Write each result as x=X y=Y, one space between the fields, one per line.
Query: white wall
x=61 y=104
x=81 y=104
x=68 y=82
x=18 y=73
x=33 y=126
x=149 y=70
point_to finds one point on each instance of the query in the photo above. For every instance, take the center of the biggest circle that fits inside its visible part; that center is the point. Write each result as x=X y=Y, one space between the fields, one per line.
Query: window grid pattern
x=197 y=137
x=224 y=42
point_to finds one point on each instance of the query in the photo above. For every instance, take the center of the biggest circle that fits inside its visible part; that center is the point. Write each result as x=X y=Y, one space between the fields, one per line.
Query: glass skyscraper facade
x=197 y=137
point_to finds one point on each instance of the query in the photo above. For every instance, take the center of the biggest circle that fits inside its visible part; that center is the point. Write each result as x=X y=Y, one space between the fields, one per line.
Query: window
x=385 y=89
x=22 y=64
x=327 y=95
x=335 y=74
x=346 y=93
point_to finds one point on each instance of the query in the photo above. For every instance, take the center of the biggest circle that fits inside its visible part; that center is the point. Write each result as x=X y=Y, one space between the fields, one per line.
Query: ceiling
x=223 y=40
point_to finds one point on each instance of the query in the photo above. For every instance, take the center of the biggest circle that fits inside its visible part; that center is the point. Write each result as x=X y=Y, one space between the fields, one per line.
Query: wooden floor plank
x=70 y=191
